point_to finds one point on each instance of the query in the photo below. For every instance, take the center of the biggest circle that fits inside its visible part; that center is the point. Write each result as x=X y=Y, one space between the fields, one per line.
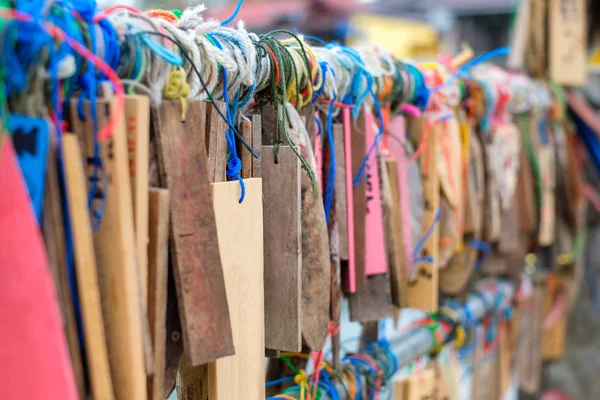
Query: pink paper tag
x=398 y=129
x=350 y=274
x=375 y=257
x=31 y=330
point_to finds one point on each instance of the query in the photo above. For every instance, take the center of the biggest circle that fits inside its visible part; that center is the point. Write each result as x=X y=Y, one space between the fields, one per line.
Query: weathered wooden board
x=257 y=145
x=373 y=302
x=174 y=346
x=283 y=251
x=423 y=291
x=158 y=274
x=204 y=312
x=240 y=231
x=35 y=356
x=529 y=344
x=245 y=155
x=53 y=229
x=137 y=114
x=359 y=196
x=215 y=140
x=392 y=219
x=87 y=273
x=341 y=209
x=115 y=253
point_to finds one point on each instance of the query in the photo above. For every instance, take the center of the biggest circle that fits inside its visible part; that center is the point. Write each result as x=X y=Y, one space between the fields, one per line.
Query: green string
x=533 y=159
x=289 y=364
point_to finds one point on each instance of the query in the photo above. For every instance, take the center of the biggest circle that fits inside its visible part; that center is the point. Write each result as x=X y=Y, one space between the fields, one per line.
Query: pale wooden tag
x=423 y=292
x=536 y=54
x=548 y=211
x=420 y=385
x=115 y=252
x=87 y=274
x=283 y=252
x=568 y=42
x=529 y=346
x=341 y=209
x=158 y=274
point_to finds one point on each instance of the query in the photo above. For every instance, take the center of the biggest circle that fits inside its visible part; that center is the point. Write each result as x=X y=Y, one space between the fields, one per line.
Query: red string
x=336 y=103
x=99 y=63
x=275 y=63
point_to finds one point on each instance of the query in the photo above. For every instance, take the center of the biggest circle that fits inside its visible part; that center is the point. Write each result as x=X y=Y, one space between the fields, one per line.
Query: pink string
x=411 y=109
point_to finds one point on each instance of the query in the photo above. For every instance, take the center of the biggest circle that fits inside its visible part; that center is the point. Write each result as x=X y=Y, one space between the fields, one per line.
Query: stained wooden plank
x=245 y=155
x=35 y=356
x=257 y=145
x=240 y=231
x=158 y=272
x=174 y=346
x=341 y=209
x=204 y=313
x=53 y=229
x=217 y=149
x=137 y=115
x=283 y=257
x=373 y=302
x=87 y=274
x=392 y=222
x=423 y=292
x=115 y=253
x=359 y=151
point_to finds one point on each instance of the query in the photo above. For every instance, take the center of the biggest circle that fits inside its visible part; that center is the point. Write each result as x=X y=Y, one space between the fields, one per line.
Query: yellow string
x=284 y=396
x=314 y=75
x=177 y=88
x=301 y=380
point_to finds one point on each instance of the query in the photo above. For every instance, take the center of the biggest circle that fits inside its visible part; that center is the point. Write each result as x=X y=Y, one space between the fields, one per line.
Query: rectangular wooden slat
x=240 y=231
x=283 y=257
x=87 y=274
x=243 y=153
x=217 y=143
x=256 y=145
x=341 y=210
x=158 y=273
x=115 y=253
x=568 y=42
x=204 y=313
x=359 y=151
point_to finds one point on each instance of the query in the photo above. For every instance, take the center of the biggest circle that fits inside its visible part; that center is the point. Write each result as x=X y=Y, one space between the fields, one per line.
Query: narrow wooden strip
x=341 y=210
x=115 y=252
x=283 y=257
x=244 y=154
x=53 y=229
x=359 y=151
x=158 y=272
x=87 y=274
x=423 y=292
x=257 y=145
x=216 y=128
x=240 y=232
x=195 y=249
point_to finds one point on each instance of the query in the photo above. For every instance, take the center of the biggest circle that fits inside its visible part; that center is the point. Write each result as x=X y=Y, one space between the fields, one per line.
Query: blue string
x=421 y=242
x=481 y=246
x=329 y=388
x=279 y=381
x=234 y=164
x=375 y=144
x=235 y=13
x=422 y=92
x=319 y=127
x=330 y=186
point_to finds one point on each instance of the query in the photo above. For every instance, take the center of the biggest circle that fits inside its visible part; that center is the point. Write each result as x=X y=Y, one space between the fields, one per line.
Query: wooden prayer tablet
x=341 y=210
x=158 y=274
x=283 y=251
x=419 y=385
x=243 y=153
x=529 y=344
x=115 y=255
x=203 y=307
x=568 y=42
x=256 y=145
x=216 y=128
x=53 y=229
x=423 y=292
x=87 y=274
x=359 y=150
x=374 y=302
x=35 y=354
x=548 y=211
x=240 y=232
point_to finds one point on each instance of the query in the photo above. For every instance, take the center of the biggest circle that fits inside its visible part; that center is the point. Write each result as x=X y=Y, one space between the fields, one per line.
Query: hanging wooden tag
x=525 y=198
x=216 y=142
x=423 y=292
x=505 y=358
x=115 y=253
x=341 y=210
x=53 y=229
x=243 y=153
x=548 y=211
x=240 y=231
x=87 y=274
x=568 y=42
x=194 y=246
x=520 y=36
x=31 y=325
x=158 y=274
x=174 y=345
x=529 y=344
x=536 y=55
x=349 y=277
x=257 y=145
x=492 y=199
x=447 y=381
x=359 y=199
x=375 y=257
x=283 y=252
x=555 y=323
x=418 y=386
x=137 y=114
x=394 y=233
